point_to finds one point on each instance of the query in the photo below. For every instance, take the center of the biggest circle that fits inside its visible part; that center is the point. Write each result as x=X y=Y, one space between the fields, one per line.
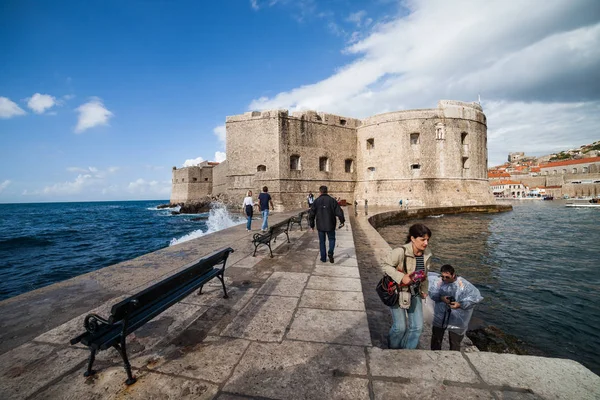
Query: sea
x=45 y=243
x=537 y=267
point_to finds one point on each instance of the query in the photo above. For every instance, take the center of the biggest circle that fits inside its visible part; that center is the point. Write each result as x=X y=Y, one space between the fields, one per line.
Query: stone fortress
x=432 y=157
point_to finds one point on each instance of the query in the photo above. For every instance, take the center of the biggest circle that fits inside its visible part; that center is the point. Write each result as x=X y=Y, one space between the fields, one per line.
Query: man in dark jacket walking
x=325 y=209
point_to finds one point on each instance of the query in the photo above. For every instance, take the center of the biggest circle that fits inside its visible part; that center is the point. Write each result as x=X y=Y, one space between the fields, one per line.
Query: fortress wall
x=220 y=179
x=451 y=147
x=252 y=141
x=190 y=183
x=320 y=140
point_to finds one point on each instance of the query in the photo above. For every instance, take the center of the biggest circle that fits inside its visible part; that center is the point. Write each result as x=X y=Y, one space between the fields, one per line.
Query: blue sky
x=100 y=99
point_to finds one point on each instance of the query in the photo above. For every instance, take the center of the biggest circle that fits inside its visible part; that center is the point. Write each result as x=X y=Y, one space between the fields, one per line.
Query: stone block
x=334 y=283
x=299 y=370
x=341 y=327
x=284 y=284
x=332 y=300
x=336 y=271
x=426 y=389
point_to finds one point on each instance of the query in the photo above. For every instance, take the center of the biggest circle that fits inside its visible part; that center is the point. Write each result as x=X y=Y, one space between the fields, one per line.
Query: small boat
x=593 y=203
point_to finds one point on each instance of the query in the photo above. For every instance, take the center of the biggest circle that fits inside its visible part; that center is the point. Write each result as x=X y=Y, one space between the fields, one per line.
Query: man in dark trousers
x=325 y=209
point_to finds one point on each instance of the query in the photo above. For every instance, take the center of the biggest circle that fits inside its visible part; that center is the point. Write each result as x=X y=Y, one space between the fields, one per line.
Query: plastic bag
x=463 y=291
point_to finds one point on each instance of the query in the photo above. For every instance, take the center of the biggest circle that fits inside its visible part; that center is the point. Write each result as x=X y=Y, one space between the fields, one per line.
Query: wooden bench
x=266 y=237
x=296 y=220
x=133 y=312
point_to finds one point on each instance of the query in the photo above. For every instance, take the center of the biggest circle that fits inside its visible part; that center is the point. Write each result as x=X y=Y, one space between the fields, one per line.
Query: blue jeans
x=331 y=236
x=265 y=215
x=400 y=337
x=249 y=223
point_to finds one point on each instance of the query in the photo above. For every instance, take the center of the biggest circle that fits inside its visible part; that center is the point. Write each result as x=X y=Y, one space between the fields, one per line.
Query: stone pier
x=293 y=328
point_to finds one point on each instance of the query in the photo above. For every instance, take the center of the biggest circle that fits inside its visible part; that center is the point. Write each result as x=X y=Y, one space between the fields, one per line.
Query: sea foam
x=218 y=219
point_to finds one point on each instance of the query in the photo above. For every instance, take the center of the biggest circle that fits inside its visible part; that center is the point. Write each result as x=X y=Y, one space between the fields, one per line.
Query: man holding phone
x=325 y=209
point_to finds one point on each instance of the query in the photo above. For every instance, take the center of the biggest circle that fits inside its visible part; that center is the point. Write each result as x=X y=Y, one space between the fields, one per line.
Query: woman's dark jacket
x=325 y=209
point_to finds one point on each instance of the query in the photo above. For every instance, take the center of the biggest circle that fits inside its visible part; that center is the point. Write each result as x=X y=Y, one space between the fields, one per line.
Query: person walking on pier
x=325 y=209
x=454 y=299
x=248 y=206
x=401 y=265
x=264 y=200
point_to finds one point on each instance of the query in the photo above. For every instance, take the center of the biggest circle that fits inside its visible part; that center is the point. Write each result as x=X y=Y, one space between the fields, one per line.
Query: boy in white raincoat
x=454 y=299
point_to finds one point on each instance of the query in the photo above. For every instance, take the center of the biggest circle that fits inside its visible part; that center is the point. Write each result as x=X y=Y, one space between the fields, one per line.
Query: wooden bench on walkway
x=271 y=235
x=133 y=312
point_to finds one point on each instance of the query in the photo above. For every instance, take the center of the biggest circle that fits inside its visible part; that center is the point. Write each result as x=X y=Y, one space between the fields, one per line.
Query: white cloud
x=143 y=187
x=192 y=162
x=91 y=114
x=4 y=185
x=9 y=109
x=540 y=61
x=71 y=188
x=254 y=4
x=221 y=133
x=357 y=17
x=39 y=103
x=220 y=156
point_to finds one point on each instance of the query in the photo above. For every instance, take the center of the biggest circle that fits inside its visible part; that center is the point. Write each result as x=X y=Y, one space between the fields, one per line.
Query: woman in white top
x=248 y=207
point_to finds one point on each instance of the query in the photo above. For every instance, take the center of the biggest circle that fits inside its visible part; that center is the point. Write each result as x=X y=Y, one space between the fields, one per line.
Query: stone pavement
x=293 y=328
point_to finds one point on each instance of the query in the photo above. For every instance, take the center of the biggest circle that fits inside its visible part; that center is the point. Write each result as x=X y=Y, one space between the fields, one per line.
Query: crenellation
x=433 y=157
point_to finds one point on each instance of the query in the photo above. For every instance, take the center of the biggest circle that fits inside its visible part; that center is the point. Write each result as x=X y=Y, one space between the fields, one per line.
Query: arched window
x=261 y=168
x=585 y=170
x=324 y=164
x=440 y=131
x=574 y=170
x=370 y=144
x=349 y=165
x=414 y=138
x=464 y=162
x=295 y=162
x=463 y=138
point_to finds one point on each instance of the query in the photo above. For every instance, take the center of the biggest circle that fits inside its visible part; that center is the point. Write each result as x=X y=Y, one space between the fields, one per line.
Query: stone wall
x=190 y=183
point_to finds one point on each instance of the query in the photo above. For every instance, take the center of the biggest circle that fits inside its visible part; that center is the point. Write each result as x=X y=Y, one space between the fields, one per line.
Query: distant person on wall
x=264 y=200
x=248 y=206
x=400 y=202
x=310 y=198
x=406 y=204
x=454 y=299
x=325 y=209
x=401 y=265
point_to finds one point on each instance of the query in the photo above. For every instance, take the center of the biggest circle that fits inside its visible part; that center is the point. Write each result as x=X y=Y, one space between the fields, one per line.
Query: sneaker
x=331 y=258
x=323 y=260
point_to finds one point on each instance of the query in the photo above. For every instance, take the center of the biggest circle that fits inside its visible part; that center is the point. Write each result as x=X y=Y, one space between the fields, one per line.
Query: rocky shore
x=202 y=205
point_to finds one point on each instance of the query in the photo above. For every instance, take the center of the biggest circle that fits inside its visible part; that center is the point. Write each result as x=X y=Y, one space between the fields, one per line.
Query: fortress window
x=349 y=165
x=574 y=170
x=261 y=168
x=564 y=171
x=194 y=179
x=371 y=169
x=342 y=122
x=182 y=180
x=370 y=144
x=415 y=166
x=585 y=170
x=205 y=179
x=295 y=163
x=414 y=138
x=324 y=164
x=464 y=162
x=440 y=131
x=463 y=137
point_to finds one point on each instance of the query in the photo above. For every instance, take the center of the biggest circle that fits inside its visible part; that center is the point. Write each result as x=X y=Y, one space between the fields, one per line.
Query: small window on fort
x=370 y=144
x=261 y=168
x=295 y=162
x=194 y=179
x=349 y=165
x=574 y=170
x=342 y=122
x=414 y=138
x=463 y=137
x=464 y=162
x=554 y=172
x=415 y=166
x=371 y=169
x=318 y=117
x=585 y=170
x=324 y=164
x=564 y=171
x=440 y=131
x=205 y=179
x=182 y=180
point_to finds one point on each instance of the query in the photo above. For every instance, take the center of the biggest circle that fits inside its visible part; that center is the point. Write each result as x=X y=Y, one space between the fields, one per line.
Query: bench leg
x=222 y=279
x=90 y=371
x=255 y=247
x=288 y=236
x=270 y=251
x=122 y=349
x=200 y=290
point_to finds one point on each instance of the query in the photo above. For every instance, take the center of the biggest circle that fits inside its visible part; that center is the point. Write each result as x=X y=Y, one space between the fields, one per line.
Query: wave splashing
x=218 y=219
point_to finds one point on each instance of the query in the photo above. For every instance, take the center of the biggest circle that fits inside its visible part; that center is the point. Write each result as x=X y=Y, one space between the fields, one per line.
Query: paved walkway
x=293 y=328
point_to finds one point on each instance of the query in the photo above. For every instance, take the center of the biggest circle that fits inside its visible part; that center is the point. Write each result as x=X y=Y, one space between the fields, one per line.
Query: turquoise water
x=537 y=267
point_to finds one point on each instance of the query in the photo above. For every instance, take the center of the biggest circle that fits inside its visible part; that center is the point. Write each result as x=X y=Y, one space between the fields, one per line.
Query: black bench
x=296 y=220
x=266 y=237
x=133 y=312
